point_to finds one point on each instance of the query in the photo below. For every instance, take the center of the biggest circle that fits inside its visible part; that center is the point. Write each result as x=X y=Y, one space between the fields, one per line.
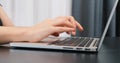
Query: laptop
x=87 y=44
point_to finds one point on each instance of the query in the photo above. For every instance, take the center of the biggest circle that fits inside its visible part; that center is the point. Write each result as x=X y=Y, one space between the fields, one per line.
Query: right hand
x=53 y=27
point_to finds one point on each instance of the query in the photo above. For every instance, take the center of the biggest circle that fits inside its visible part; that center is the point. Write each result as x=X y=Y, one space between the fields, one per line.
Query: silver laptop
x=87 y=44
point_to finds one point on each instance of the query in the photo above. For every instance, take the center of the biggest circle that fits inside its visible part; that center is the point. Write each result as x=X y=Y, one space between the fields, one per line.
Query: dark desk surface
x=109 y=53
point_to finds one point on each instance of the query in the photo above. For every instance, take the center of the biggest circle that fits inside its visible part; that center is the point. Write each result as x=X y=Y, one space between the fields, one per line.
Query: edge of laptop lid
x=108 y=23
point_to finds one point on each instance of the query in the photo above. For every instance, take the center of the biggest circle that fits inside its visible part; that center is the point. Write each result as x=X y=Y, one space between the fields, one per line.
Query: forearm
x=8 y=34
x=6 y=21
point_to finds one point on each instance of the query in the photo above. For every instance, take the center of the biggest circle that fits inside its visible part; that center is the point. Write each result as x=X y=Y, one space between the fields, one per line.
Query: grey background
x=93 y=15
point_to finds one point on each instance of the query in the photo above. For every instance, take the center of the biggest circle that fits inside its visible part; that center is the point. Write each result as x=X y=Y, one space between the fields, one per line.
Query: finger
x=68 y=24
x=73 y=33
x=68 y=32
x=79 y=26
x=63 y=22
x=72 y=20
x=62 y=29
x=55 y=34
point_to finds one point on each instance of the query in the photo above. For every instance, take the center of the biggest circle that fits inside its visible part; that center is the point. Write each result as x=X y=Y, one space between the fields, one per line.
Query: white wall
x=8 y=7
x=30 y=12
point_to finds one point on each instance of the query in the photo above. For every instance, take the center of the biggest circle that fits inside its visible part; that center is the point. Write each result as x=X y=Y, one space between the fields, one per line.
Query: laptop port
x=79 y=48
x=67 y=48
x=87 y=49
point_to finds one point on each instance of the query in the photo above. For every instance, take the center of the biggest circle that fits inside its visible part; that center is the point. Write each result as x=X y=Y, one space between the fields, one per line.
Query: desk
x=109 y=53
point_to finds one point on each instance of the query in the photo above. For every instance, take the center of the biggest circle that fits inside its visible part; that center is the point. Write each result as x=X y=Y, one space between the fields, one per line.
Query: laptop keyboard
x=80 y=42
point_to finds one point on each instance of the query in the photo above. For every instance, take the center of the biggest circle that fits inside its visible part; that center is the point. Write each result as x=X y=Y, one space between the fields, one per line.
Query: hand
x=53 y=27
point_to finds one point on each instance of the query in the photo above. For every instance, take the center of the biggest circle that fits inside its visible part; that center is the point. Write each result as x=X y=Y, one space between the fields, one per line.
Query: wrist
x=20 y=35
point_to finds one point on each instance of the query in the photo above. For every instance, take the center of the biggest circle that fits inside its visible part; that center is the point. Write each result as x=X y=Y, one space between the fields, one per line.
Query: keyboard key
x=96 y=43
x=89 y=43
x=77 y=41
x=81 y=42
x=72 y=40
x=84 y=42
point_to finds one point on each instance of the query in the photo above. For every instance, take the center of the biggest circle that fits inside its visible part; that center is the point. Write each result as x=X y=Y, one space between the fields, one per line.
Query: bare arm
x=8 y=34
x=37 y=32
x=5 y=19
